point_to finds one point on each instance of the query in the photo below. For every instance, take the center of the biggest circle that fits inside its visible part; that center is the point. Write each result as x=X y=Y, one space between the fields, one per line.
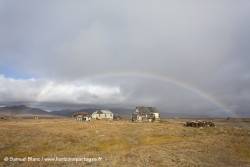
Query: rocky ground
x=28 y=142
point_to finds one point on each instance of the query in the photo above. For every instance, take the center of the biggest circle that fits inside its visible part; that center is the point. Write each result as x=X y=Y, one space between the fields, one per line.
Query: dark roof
x=99 y=112
x=102 y=112
x=146 y=110
x=81 y=113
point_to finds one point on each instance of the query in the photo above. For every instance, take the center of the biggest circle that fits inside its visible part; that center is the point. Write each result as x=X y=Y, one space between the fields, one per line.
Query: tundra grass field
x=30 y=142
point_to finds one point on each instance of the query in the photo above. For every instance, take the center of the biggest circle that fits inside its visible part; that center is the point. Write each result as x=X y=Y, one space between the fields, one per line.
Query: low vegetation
x=122 y=143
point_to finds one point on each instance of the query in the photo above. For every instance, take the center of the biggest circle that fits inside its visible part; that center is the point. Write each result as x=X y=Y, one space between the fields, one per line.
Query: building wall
x=142 y=118
x=83 y=118
x=103 y=116
x=157 y=115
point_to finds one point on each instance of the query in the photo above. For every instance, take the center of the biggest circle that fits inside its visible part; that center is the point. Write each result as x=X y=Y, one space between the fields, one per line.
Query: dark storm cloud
x=203 y=44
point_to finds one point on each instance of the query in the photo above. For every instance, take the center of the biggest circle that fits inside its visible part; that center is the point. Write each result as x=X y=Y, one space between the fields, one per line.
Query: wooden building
x=142 y=114
x=82 y=116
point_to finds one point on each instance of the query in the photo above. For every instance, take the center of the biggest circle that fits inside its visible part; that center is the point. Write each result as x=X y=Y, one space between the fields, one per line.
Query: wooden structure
x=82 y=116
x=142 y=114
x=199 y=124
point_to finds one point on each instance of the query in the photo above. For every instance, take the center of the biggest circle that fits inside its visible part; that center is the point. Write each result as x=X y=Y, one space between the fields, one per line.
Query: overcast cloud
x=50 y=51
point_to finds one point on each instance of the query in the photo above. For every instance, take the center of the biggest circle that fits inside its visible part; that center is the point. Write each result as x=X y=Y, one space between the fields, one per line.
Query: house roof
x=145 y=110
x=102 y=112
x=81 y=113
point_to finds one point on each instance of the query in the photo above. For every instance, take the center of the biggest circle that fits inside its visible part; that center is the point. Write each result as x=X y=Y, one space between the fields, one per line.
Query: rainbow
x=168 y=80
x=165 y=79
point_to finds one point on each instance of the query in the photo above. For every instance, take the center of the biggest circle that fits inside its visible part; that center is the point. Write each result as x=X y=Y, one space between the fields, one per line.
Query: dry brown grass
x=122 y=143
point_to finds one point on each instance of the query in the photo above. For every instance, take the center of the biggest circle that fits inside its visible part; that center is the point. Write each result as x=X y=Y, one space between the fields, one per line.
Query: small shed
x=143 y=114
x=82 y=116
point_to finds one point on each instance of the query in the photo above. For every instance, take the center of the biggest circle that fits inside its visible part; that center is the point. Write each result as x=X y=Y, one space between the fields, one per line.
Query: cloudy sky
x=189 y=57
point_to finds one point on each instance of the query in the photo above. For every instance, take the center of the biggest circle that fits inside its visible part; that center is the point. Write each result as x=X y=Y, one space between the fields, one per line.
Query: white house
x=103 y=114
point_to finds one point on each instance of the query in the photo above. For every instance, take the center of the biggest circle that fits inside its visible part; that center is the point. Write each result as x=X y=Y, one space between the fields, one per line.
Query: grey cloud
x=204 y=44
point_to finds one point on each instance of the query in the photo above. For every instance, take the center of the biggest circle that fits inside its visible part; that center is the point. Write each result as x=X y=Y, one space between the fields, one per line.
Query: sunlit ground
x=121 y=143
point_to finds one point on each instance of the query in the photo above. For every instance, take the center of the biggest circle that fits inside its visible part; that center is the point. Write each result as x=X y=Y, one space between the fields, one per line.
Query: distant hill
x=182 y=115
x=69 y=112
x=64 y=113
x=23 y=111
x=125 y=113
